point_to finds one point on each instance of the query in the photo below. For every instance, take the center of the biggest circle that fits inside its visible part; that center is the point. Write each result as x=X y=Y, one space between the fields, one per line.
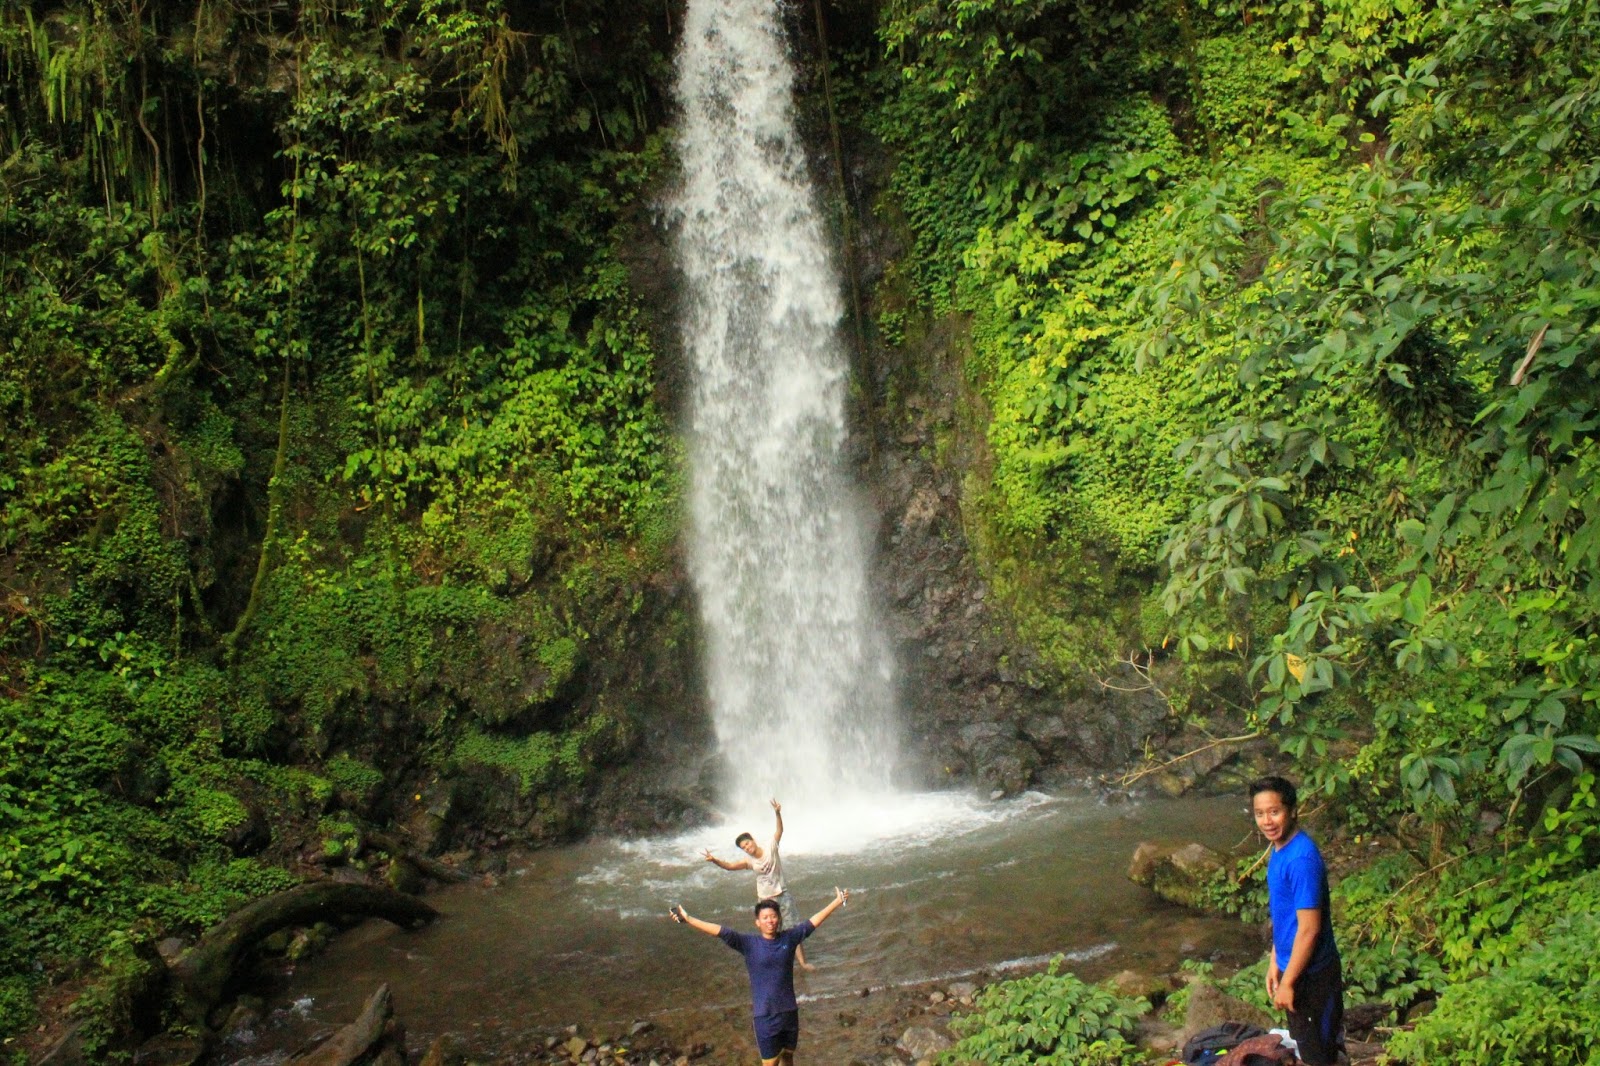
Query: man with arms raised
x=768 y=868
x=769 y=959
x=1303 y=970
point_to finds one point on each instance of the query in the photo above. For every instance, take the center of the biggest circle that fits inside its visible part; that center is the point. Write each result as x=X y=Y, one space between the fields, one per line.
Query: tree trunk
x=201 y=974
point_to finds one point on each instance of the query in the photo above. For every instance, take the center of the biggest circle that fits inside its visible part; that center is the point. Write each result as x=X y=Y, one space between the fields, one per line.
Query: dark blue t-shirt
x=771 y=965
x=1297 y=880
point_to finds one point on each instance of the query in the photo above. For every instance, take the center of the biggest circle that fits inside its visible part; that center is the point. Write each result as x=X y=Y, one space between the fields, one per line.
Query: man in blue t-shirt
x=769 y=959
x=1303 y=971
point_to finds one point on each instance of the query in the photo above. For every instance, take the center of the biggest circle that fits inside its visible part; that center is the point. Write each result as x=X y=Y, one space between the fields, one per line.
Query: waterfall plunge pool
x=943 y=887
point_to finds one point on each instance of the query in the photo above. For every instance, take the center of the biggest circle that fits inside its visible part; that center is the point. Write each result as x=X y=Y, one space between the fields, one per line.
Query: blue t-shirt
x=1297 y=880
x=771 y=965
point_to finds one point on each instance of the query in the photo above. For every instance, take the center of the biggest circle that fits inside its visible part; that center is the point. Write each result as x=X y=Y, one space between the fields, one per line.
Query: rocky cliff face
x=979 y=705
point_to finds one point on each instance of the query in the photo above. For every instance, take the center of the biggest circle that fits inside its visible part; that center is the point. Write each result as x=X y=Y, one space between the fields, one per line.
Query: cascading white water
x=799 y=678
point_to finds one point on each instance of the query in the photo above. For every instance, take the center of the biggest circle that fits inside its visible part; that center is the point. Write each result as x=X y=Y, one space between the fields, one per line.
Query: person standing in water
x=768 y=868
x=769 y=958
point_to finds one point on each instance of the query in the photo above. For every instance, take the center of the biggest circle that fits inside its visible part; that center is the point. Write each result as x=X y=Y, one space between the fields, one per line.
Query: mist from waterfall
x=801 y=683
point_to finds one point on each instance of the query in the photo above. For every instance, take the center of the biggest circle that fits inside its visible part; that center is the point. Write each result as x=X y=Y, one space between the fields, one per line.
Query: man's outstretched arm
x=777 y=813
x=683 y=917
x=840 y=895
x=739 y=864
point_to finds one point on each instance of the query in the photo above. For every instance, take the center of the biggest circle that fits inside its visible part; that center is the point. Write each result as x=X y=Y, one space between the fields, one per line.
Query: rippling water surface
x=943 y=886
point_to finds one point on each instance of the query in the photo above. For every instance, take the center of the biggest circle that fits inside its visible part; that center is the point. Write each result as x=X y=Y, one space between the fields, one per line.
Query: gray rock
x=68 y=1051
x=1132 y=983
x=1012 y=771
x=921 y=1042
x=922 y=514
x=1049 y=734
x=1158 y=1035
x=980 y=734
x=1197 y=860
x=171 y=1049
x=240 y=1028
x=1209 y=1005
x=1146 y=856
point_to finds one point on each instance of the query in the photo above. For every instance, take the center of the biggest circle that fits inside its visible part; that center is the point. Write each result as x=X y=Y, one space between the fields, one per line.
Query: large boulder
x=1210 y=1005
x=1178 y=873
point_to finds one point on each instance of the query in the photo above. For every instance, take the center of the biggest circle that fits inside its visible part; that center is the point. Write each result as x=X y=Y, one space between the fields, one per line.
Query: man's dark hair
x=769 y=905
x=739 y=840
x=1280 y=785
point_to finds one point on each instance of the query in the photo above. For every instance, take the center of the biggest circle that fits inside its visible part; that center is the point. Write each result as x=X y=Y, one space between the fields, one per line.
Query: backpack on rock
x=1265 y=1050
x=1209 y=1047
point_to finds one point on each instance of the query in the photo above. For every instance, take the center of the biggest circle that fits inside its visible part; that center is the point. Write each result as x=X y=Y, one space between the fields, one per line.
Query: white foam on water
x=896 y=822
x=847 y=835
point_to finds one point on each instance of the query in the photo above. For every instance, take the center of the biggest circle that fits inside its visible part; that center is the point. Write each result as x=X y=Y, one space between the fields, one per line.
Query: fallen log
x=200 y=975
x=360 y=1039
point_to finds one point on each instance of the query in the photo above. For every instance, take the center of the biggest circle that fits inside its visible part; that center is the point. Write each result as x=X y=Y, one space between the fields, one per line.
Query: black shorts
x=777 y=1032
x=1317 y=1022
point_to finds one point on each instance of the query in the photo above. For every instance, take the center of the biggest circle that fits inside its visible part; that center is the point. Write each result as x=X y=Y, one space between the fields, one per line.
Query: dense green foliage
x=331 y=459
x=1047 y=1018
x=1284 y=319
x=330 y=448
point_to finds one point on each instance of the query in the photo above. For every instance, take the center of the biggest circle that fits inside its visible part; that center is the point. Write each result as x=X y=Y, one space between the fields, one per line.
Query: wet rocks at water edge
x=923 y=1042
x=375 y=1038
x=1178 y=873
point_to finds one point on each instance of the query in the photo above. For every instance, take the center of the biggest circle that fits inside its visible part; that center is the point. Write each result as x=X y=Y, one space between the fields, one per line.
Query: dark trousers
x=1317 y=1022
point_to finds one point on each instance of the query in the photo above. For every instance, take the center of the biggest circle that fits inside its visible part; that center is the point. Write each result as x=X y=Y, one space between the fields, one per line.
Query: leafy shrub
x=1538 y=1009
x=1231 y=892
x=211 y=890
x=341 y=837
x=16 y=1003
x=126 y=974
x=1048 y=1018
x=539 y=758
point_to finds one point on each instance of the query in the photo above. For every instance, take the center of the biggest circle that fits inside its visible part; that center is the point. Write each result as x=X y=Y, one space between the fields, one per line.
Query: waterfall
x=800 y=679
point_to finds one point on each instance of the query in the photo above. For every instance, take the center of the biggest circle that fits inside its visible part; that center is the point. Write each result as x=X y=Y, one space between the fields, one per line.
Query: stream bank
x=578 y=935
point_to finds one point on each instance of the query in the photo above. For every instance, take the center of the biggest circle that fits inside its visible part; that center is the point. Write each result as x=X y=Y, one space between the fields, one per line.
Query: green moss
x=212 y=812
x=353 y=776
x=539 y=759
x=532 y=759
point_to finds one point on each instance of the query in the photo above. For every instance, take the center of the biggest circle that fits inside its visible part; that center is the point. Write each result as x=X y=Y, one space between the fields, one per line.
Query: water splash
x=800 y=680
